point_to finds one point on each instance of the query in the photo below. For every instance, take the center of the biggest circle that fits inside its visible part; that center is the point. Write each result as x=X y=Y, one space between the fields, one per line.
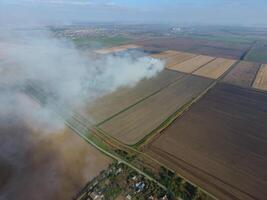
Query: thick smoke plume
x=70 y=77
x=33 y=163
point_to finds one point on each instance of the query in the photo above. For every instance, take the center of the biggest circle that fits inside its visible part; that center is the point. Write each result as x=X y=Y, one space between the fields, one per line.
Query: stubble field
x=192 y=64
x=261 y=78
x=215 y=68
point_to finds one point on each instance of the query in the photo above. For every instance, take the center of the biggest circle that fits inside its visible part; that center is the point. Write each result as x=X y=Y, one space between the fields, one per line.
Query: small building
x=139 y=186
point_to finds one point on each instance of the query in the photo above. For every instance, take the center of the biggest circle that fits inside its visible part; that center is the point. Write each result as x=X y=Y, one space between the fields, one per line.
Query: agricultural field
x=215 y=68
x=261 y=78
x=164 y=44
x=179 y=58
x=258 y=53
x=242 y=74
x=220 y=143
x=195 y=45
x=192 y=64
x=172 y=57
x=96 y=42
x=108 y=105
x=215 y=51
x=164 y=54
x=135 y=123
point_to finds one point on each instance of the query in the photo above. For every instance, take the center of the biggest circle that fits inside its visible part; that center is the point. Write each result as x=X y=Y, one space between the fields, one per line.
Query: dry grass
x=261 y=79
x=193 y=64
x=178 y=58
x=215 y=68
x=138 y=121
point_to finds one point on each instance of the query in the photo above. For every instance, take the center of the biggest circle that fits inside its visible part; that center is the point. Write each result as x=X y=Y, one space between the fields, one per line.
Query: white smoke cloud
x=71 y=78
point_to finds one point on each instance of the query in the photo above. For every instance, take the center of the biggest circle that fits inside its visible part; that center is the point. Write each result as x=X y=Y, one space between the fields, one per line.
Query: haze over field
x=35 y=136
x=218 y=12
x=53 y=70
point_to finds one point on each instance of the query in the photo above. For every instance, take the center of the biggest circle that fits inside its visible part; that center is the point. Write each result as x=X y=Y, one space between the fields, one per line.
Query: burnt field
x=198 y=46
x=220 y=143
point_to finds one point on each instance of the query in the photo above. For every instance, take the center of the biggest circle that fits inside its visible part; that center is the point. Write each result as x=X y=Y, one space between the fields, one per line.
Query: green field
x=258 y=53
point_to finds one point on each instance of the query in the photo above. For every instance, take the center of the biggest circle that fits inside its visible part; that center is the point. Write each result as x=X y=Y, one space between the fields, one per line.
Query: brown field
x=164 y=44
x=164 y=54
x=117 y=49
x=44 y=164
x=215 y=68
x=216 y=51
x=261 y=79
x=193 y=64
x=138 y=121
x=198 y=46
x=242 y=74
x=220 y=143
x=180 y=57
x=115 y=102
x=172 y=57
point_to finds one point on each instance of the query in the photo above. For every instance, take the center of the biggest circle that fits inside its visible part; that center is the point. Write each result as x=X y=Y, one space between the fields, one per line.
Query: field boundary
x=254 y=79
x=145 y=140
x=194 y=69
x=143 y=99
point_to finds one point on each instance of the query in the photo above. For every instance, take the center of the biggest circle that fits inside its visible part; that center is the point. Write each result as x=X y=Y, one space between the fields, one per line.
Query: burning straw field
x=220 y=143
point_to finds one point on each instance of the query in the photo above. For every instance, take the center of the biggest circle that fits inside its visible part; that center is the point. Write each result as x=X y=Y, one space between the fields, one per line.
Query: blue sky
x=221 y=12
